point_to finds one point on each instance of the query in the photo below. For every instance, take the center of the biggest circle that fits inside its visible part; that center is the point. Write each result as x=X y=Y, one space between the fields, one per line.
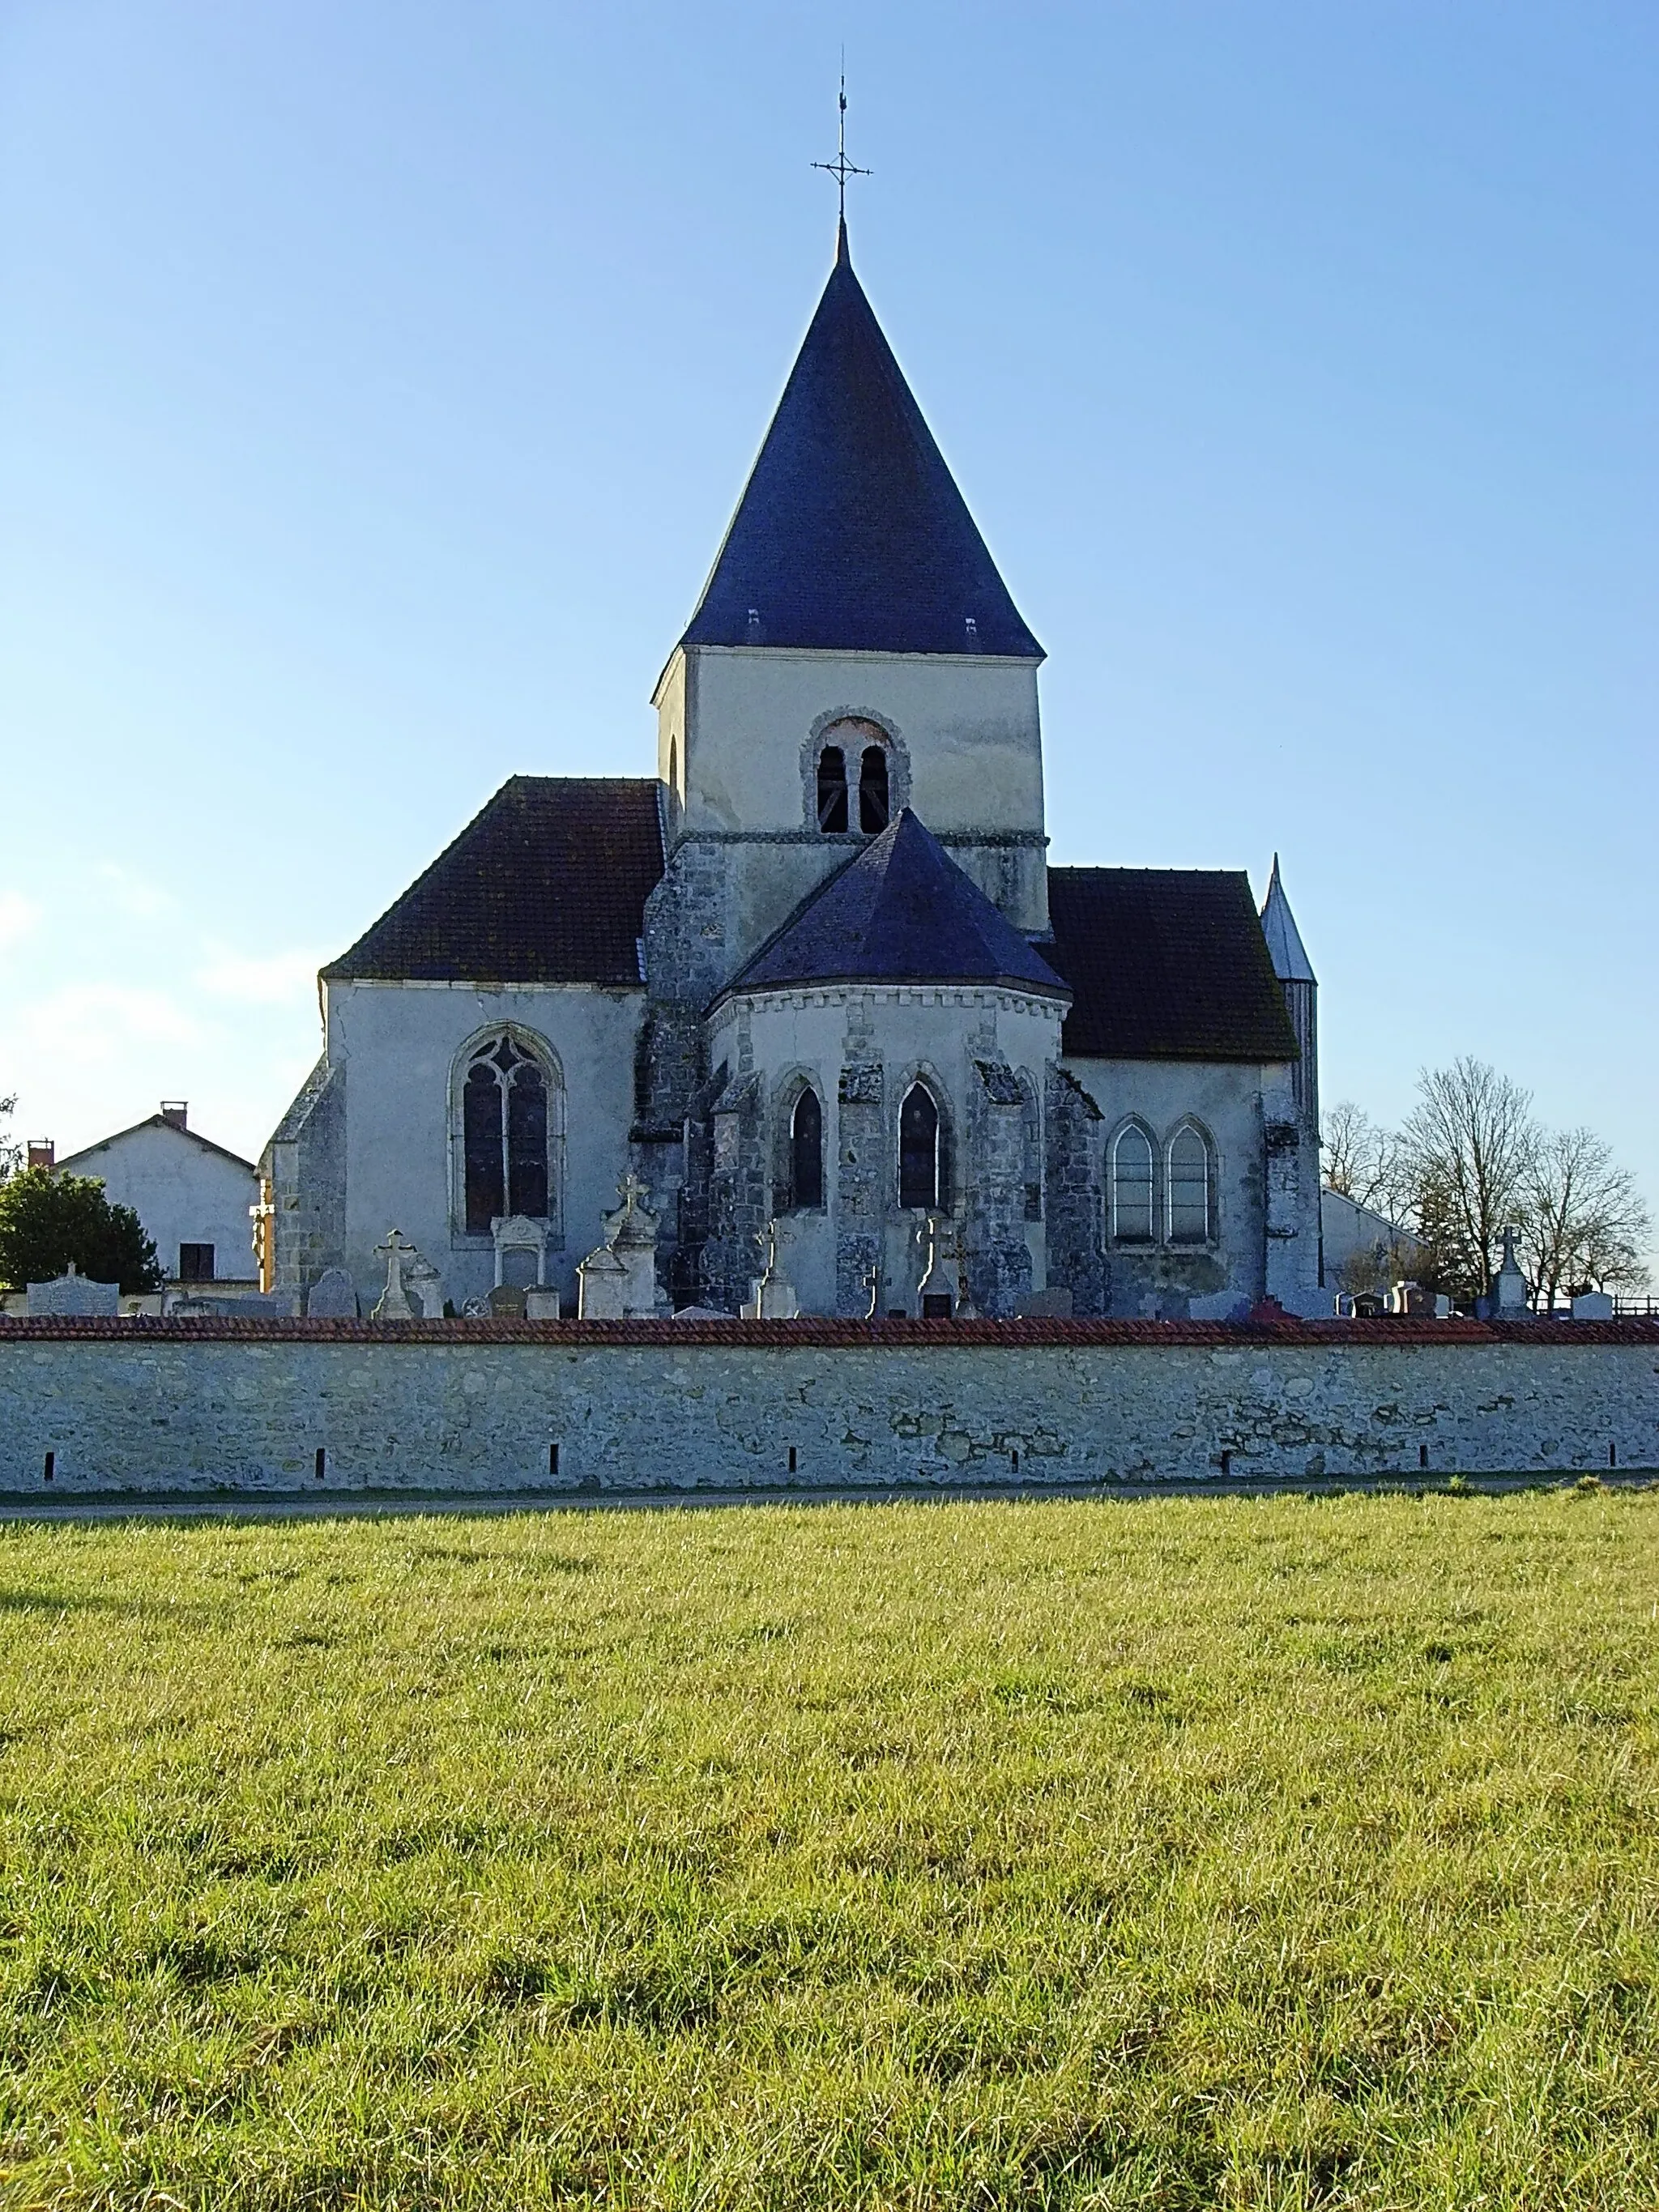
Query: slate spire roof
x=851 y=534
x=901 y=911
x=1291 y=963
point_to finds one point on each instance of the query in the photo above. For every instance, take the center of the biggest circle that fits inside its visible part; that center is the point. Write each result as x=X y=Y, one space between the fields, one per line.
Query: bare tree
x=1468 y=1150
x=1584 y=1217
x=1356 y=1153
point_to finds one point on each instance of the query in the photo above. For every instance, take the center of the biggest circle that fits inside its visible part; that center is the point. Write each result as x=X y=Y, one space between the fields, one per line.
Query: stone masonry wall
x=230 y=1406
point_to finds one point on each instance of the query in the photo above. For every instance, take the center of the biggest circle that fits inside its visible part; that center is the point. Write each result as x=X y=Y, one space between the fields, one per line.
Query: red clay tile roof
x=548 y=885
x=1165 y=963
x=827 y=1334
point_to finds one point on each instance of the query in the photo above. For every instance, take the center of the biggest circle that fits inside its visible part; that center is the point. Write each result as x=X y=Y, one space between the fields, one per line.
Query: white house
x=193 y=1196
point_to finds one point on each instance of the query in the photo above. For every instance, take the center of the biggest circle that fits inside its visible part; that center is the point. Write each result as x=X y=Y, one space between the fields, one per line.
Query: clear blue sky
x=376 y=382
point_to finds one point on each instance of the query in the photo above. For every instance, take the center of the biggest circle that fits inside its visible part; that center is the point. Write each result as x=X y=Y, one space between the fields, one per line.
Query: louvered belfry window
x=832 y=788
x=504 y=1136
x=872 y=790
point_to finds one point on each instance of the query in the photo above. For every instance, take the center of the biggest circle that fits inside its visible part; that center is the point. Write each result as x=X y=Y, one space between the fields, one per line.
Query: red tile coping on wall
x=836 y=1335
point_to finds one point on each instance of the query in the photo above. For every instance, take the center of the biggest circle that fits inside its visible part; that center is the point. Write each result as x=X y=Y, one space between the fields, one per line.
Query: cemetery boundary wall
x=223 y=1407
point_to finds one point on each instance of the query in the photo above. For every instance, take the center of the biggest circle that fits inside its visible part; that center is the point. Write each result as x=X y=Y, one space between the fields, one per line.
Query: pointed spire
x=851 y=534
x=1291 y=961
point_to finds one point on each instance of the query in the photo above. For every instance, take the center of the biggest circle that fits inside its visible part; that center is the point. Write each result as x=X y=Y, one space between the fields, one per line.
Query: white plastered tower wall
x=737 y=729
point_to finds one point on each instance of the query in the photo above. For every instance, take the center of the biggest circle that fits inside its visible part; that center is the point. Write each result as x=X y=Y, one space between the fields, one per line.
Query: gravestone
x=1592 y=1305
x=506 y=1301
x=332 y=1296
x=772 y=1296
x=76 y=1296
x=1509 y=1285
x=618 y=1278
x=541 y=1304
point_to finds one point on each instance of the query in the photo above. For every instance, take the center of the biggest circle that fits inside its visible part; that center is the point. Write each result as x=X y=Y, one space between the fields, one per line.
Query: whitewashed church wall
x=912 y=1030
x=969 y=730
x=163 y=1412
x=399 y=1042
x=1225 y=1098
x=181 y=1192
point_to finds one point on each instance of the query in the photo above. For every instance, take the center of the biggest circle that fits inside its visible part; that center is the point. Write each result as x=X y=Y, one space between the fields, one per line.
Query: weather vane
x=840 y=168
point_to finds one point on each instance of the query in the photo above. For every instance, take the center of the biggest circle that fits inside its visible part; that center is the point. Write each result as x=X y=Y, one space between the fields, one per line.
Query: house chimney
x=42 y=1153
x=176 y=1113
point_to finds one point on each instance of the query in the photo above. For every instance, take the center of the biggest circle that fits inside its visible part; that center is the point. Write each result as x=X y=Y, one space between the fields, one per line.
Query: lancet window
x=1131 y=1187
x=505 y=1128
x=921 y=1150
x=806 y=1150
x=1188 y=1177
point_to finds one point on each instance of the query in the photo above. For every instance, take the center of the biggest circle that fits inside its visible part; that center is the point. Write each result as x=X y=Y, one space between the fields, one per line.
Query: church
x=813 y=985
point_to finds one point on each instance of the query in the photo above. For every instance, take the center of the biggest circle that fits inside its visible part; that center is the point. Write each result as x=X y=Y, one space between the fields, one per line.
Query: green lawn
x=1268 y=1853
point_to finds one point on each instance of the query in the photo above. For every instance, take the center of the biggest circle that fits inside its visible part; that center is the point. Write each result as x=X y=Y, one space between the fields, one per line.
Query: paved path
x=302 y=1505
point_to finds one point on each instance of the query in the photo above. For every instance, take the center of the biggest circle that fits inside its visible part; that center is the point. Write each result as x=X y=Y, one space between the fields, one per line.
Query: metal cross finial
x=840 y=168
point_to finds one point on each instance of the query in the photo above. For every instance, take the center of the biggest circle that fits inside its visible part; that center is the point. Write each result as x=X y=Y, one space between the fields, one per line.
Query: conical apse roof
x=851 y=534
x=901 y=912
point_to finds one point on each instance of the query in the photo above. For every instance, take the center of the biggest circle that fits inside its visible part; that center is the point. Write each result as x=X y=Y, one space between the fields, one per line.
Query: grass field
x=1265 y=1853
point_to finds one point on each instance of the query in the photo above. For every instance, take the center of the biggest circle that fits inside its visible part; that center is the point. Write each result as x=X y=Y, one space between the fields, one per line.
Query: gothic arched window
x=806 y=1151
x=873 y=789
x=921 y=1150
x=1187 y=1176
x=832 y=788
x=504 y=1136
x=1131 y=1187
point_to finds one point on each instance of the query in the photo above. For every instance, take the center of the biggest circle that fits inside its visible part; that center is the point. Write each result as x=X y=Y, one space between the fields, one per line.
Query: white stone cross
x=396 y=1252
x=632 y=1192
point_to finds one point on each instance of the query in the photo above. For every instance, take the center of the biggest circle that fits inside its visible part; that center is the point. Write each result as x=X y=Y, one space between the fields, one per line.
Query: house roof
x=75 y=1161
x=547 y=884
x=1285 y=946
x=851 y=534
x=899 y=911
x=1165 y=964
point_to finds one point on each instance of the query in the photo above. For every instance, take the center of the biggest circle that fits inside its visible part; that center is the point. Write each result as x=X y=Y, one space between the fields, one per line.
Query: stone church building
x=814 y=982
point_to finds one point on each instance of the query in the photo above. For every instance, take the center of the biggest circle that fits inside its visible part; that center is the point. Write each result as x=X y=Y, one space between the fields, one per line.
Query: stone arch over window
x=1189 y=1185
x=797 y=1176
x=1030 y=1146
x=856 y=774
x=1130 y=1185
x=506 y=1119
x=924 y=1147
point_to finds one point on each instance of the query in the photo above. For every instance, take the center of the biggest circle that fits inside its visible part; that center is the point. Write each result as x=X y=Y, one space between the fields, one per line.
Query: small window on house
x=832 y=788
x=1131 y=1187
x=195 y=1263
x=872 y=790
x=504 y=1137
x=806 y=1151
x=921 y=1178
x=1189 y=1189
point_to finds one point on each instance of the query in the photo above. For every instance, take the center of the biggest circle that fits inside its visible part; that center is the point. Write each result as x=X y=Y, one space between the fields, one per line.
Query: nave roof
x=547 y=884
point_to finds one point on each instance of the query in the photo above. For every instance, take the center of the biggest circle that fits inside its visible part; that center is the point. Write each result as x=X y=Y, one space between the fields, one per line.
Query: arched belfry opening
x=874 y=790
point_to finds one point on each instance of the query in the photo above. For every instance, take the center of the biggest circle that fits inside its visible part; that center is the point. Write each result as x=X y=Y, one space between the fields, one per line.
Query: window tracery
x=506 y=1128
